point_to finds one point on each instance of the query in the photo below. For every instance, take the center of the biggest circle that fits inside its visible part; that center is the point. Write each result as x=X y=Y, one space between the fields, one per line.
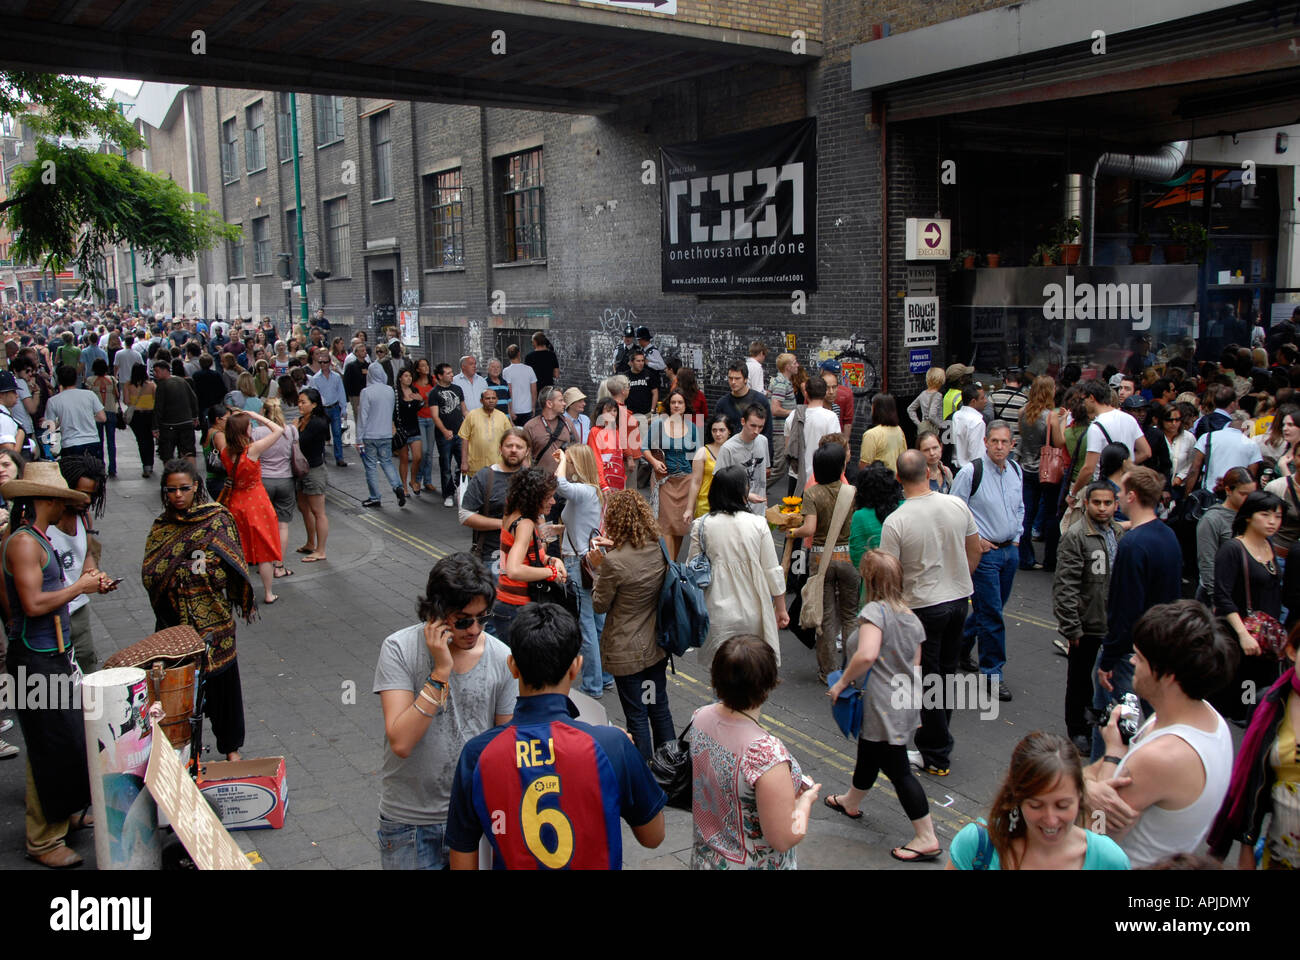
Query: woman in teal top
x=879 y=495
x=1036 y=819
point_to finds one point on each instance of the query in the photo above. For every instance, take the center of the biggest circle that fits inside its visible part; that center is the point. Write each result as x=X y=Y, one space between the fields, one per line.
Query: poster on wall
x=410 y=323
x=739 y=213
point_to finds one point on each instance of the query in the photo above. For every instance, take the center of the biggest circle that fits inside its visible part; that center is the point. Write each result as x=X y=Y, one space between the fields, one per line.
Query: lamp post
x=297 y=189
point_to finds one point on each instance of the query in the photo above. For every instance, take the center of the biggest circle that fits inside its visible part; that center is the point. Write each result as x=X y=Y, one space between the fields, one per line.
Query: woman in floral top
x=750 y=799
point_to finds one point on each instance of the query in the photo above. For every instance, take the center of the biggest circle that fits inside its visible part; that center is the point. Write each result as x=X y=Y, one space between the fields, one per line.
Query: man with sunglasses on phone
x=441 y=682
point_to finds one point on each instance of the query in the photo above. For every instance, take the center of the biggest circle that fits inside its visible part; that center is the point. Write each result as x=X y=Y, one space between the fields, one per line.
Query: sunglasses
x=464 y=623
x=185 y=489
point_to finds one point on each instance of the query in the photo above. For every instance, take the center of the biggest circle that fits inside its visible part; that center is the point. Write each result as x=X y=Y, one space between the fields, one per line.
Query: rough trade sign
x=920 y=321
x=739 y=213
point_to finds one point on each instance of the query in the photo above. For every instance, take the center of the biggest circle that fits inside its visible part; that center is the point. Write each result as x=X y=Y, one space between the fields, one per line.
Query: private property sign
x=920 y=321
x=928 y=239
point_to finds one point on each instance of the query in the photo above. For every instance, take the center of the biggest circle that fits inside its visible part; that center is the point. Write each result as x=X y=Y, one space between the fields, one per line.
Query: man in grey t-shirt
x=749 y=449
x=441 y=682
x=76 y=411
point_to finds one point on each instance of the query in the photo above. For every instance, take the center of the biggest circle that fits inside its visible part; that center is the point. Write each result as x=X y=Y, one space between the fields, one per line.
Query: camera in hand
x=1130 y=717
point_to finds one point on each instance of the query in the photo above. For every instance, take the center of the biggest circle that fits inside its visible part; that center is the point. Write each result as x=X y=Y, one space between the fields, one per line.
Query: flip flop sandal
x=304 y=550
x=282 y=572
x=919 y=858
x=833 y=802
x=313 y=559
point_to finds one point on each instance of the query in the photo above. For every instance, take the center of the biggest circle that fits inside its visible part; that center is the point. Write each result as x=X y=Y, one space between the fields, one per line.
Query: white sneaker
x=914 y=758
x=6 y=725
x=7 y=750
x=448 y=502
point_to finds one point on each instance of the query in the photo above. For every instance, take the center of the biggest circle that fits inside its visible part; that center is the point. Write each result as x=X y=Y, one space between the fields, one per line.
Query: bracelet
x=416 y=704
x=436 y=683
x=1110 y=759
x=437 y=703
x=554 y=573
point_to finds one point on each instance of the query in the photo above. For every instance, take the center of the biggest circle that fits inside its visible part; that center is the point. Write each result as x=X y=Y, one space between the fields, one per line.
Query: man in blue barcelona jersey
x=546 y=789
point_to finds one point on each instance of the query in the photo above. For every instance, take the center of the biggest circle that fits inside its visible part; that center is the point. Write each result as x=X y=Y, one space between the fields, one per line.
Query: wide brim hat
x=572 y=396
x=42 y=478
x=958 y=370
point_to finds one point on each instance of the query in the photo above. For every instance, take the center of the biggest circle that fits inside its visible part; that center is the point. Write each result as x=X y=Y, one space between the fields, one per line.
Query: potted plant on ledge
x=1046 y=254
x=1067 y=231
x=1141 y=249
x=1188 y=244
x=964 y=260
x=993 y=259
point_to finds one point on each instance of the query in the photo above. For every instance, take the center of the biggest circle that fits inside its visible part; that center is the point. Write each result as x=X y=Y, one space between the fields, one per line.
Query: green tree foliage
x=71 y=203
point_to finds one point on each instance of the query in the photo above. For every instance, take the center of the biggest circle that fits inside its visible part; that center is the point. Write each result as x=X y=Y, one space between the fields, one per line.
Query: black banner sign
x=740 y=212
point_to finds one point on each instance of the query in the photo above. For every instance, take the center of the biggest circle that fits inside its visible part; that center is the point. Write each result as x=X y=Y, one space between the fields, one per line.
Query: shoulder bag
x=1052 y=461
x=297 y=460
x=549 y=591
x=1262 y=627
x=810 y=616
x=672 y=769
x=700 y=568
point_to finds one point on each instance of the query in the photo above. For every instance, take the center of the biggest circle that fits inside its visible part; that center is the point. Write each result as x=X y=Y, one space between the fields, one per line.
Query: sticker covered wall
x=739 y=213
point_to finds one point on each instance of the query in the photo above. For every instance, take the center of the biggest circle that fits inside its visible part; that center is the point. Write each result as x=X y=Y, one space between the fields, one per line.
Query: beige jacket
x=627 y=592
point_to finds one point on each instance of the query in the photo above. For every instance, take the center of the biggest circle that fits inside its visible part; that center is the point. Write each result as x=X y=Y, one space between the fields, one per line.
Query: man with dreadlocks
x=76 y=547
x=36 y=621
x=194 y=573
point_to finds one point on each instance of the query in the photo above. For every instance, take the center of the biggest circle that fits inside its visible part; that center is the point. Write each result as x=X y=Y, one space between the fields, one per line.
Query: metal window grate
x=523 y=206
x=447 y=221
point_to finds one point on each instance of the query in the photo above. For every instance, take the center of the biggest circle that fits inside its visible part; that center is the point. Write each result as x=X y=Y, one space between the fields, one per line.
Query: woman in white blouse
x=1180 y=440
x=747 y=592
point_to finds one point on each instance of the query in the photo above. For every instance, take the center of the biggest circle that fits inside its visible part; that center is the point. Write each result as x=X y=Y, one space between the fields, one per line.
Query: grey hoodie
x=377 y=405
x=1213 y=530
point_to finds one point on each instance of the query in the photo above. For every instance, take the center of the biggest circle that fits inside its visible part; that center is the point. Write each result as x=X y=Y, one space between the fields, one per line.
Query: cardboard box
x=247 y=794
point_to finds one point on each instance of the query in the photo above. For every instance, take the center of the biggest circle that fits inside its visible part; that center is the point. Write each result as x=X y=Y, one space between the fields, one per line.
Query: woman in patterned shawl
x=194 y=573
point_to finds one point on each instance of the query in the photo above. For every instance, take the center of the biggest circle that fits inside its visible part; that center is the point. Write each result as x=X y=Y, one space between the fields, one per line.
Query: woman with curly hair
x=194 y=573
x=1036 y=822
x=626 y=590
x=530 y=496
x=879 y=494
x=1035 y=423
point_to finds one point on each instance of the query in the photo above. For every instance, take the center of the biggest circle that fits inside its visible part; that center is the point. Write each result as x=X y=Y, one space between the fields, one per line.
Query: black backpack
x=977 y=473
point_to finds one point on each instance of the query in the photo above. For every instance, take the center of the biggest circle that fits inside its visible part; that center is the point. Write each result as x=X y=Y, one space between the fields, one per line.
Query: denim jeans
x=992 y=580
x=1030 y=488
x=428 y=436
x=405 y=846
x=335 y=414
x=1121 y=679
x=447 y=450
x=108 y=431
x=379 y=454
x=644 y=696
x=503 y=615
x=591 y=624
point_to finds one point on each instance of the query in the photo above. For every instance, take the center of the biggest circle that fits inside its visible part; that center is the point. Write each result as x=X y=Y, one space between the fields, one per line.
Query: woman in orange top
x=530 y=496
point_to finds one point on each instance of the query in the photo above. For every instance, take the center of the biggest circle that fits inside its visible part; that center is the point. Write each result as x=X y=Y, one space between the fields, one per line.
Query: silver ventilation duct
x=1164 y=164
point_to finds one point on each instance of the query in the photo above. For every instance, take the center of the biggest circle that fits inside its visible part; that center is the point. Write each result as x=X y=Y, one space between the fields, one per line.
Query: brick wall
x=759 y=16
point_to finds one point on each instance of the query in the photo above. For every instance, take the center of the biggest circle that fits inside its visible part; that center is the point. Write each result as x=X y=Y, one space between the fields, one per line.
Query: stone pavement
x=308 y=664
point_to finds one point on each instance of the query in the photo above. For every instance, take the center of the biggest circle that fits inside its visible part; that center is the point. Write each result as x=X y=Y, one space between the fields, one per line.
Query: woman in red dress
x=245 y=497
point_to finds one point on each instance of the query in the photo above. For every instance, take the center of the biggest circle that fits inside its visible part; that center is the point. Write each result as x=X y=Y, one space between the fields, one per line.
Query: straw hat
x=42 y=479
x=572 y=396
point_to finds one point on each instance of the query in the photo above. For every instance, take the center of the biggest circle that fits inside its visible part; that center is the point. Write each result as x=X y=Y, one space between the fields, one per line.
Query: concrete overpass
x=557 y=55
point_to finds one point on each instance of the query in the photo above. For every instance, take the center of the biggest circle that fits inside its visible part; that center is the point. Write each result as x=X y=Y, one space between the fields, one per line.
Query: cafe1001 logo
x=731 y=189
x=1098 y=301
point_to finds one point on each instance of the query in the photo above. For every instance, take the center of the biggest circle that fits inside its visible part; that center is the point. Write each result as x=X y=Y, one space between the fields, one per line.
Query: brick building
x=491 y=222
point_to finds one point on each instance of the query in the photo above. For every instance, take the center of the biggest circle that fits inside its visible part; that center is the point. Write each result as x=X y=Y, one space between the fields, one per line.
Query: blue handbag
x=700 y=568
x=847 y=708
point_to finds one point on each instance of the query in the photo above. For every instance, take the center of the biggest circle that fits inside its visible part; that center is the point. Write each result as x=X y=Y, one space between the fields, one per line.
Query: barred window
x=338 y=237
x=329 y=120
x=446 y=220
x=262 y=245
x=229 y=156
x=284 y=126
x=522 y=205
x=381 y=154
x=235 y=256
x=255 y=141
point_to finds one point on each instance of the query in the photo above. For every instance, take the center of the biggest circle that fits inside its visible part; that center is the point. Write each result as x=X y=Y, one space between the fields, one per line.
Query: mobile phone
x=114 y=582
x=805 y=783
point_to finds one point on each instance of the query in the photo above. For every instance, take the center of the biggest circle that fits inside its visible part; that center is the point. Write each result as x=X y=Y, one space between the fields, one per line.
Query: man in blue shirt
x=992 y=487
x=1147 y=571
x=333 y=396
x=547 y=790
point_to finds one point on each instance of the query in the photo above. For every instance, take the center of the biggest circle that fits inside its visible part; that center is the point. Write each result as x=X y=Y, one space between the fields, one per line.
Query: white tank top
x=1161 y=833
x=71 y=551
